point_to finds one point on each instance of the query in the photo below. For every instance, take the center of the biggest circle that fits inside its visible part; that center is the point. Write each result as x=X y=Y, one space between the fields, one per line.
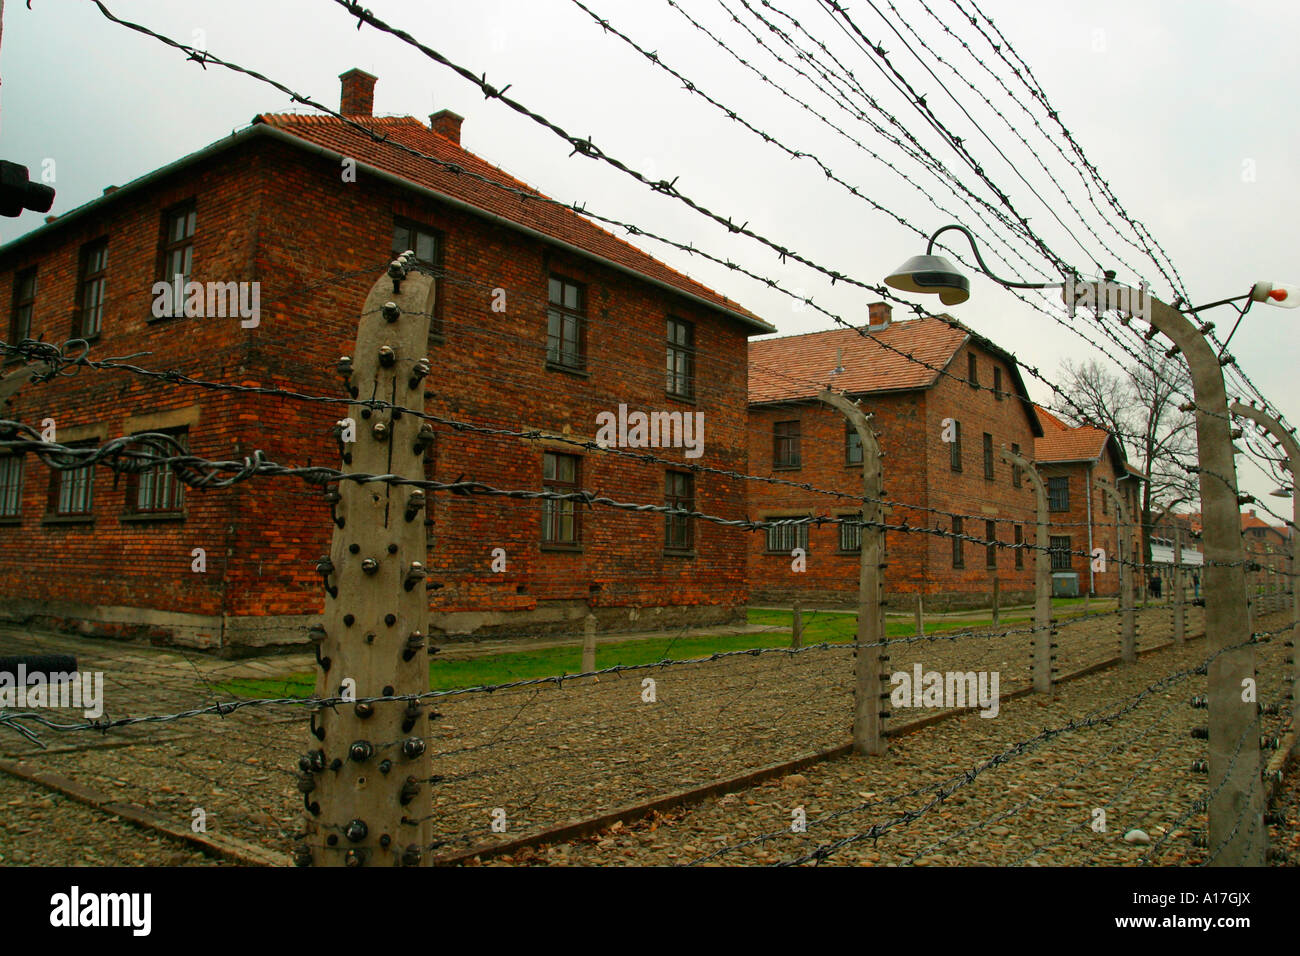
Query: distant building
x=1071 y=460
x=957 y=486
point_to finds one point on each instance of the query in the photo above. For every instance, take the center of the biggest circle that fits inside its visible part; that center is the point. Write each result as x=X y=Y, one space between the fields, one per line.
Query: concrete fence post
x=870 y=696
x=1128 y=612
x=366 y=782
x=589 y=643
x=1042 y=644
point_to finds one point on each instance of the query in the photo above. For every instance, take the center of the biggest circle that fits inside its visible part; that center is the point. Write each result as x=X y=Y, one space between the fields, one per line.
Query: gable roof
x=793 y=368
x=1066 y=444
x=551 y=220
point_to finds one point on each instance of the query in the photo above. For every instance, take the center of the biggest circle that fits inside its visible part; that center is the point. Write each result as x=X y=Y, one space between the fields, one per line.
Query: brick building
x=959 y=486
x=1071 y=460
x=542 y=321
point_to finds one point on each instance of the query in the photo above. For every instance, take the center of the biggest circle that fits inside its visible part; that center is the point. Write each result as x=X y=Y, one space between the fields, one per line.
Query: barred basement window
x=1062 y=559
x=559 y=518
x=11 y=485
x=958 y=549
x=72 y=489
x=566 y=322
x=158 y=490
x=1058 y=494
x=681 y=358
x=784 y=538
x=851 y=534
x=991 y=549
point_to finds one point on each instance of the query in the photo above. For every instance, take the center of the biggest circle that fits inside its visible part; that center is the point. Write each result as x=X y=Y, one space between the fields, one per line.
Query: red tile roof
x=551 y=220
x=1061 y=442
x=794 y=367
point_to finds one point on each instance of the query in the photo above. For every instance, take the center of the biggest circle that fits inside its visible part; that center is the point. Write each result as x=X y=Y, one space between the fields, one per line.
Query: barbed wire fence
x=494 y=738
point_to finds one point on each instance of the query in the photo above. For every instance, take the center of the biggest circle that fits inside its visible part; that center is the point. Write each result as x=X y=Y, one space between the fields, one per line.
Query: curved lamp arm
x=929 y=250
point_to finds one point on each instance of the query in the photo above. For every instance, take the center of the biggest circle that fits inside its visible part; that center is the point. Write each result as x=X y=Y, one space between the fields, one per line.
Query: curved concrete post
x=1042 y=643
x=870 y=691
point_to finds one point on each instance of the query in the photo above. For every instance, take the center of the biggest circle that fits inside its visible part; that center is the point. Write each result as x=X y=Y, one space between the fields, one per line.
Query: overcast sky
x=1186 y=109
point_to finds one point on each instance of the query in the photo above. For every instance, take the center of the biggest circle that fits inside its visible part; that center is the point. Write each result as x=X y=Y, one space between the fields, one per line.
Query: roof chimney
x=447 y=124
x=358 y=98
x=878 y=316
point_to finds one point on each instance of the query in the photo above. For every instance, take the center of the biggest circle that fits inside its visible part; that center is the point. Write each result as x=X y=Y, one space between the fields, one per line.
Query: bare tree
x=1139 y=406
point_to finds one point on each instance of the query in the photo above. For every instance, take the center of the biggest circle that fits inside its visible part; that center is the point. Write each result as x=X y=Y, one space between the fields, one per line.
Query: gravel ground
x=550 y=755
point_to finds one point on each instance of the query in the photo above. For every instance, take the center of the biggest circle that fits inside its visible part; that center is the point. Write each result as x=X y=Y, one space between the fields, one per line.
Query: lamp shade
x=931 y=274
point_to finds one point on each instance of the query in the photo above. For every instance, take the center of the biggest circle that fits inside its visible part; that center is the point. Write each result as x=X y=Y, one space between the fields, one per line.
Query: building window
x=852 y=445
x=158 y=490
x=679 y=530
x=991 y=549
x=1058 y=494
x=988 y=456
x=71 y=490
x=566 y=324
x=997 y=382
x=90 y=290
x=11 y=485
x=785 y=450
x=178 y=252
x=1018 y=540
x=427 y=246
x=954 y=449
x=1105 y=502
x=20 y=321
x=1059 y=547
x=972 y=368
x=681 y=358
x=786 y=537
x=559 y=518
x=850 y=533
x=1015 y=469
x=958 y=549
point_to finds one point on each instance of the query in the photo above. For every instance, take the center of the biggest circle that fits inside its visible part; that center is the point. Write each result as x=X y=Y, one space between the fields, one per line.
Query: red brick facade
x=270 y=211
x=917 y=468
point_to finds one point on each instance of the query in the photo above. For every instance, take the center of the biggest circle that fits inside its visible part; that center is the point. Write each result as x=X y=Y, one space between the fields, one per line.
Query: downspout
x=1092 y=581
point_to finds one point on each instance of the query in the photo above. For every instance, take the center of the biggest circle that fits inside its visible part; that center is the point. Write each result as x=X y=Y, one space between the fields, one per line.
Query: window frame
x=792 y=439
x=436 y=330
x=954 y=447
x=165 y=486
x=799 y=533
x=855 y=530
x=86 y=278
x=683 y=543
x=21 y=302
x=991 y=549
x=972 y=370
x=556 y=359
x=683 y=352
x=851 y=440
x=1017 y=476
x=1062 y=556
x=554 y=511
x=998 y=394
x=59 y=477
x=989 y=469
x=958 y=545
x=1053 y=499
x=12 y=490
x=169 y=247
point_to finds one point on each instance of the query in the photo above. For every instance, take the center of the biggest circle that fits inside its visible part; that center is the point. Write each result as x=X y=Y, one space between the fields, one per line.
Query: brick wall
x=285 y=218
